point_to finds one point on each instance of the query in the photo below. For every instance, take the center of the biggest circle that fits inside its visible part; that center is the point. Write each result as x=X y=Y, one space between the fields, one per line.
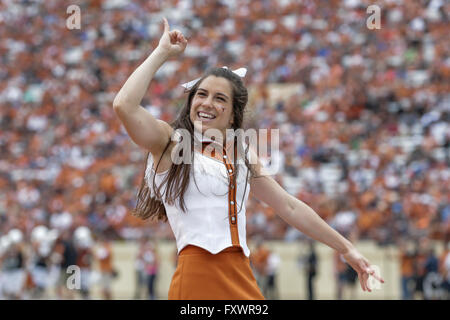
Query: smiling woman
x=206 y=217
x=212 y=104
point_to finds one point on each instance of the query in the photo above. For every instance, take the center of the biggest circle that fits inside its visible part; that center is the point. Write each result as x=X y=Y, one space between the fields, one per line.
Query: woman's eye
x=202 y=94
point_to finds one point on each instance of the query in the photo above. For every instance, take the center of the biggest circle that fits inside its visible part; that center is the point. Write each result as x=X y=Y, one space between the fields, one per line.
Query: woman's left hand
x=362 y=266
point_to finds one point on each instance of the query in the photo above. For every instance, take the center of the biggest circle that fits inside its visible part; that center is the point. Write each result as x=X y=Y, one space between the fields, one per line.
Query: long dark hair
x=178 y=176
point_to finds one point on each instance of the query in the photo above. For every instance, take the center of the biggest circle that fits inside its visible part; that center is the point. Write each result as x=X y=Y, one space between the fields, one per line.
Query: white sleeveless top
x=205 y=223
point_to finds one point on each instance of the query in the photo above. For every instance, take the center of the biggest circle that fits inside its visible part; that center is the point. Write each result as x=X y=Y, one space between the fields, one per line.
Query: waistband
x=191 y=249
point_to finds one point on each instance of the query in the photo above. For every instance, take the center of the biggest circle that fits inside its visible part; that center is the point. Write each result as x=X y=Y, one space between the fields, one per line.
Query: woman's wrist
x=346 y=247
x=163 y=53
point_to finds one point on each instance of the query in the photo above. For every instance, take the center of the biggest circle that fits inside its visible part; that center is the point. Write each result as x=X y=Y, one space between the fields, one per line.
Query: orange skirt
x=201 y=275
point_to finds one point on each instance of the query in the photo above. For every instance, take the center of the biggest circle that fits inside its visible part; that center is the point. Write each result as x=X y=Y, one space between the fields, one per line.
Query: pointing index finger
x=166 y=25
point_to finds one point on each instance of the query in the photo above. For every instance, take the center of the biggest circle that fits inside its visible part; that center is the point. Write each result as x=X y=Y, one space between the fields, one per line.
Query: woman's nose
x=208 y=102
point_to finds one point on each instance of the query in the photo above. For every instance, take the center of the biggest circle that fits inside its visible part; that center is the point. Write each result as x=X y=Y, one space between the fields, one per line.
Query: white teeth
x=205 y=115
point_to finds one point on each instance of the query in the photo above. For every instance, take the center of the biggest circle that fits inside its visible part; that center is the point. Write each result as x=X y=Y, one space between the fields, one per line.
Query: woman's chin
x=202 y=125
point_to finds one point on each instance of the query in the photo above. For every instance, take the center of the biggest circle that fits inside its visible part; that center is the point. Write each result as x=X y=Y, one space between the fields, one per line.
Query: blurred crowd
x=55 y=264
x=364 y=123
x=425 y=273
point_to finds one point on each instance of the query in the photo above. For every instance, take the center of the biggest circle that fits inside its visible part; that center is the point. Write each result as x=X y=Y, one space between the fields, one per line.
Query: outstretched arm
x=146 y=131
x=303 y=218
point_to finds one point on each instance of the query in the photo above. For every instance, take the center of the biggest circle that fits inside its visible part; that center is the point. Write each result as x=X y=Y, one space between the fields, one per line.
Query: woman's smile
x=212 y=103
x=205 y=116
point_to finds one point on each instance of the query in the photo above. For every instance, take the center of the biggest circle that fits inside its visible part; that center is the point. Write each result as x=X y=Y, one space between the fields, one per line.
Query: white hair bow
x=240 y=72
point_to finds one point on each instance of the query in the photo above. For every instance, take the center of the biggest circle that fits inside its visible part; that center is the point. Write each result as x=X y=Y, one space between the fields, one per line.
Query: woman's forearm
x=134 y=89
x=306 y=220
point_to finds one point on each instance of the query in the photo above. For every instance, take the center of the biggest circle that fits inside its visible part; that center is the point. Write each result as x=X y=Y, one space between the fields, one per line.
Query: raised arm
x=306 y=220
x=146 y=131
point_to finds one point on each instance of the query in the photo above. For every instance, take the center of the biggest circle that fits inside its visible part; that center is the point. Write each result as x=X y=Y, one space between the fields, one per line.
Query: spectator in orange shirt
x=407 y=270
x=259 y=259
x=105 y=259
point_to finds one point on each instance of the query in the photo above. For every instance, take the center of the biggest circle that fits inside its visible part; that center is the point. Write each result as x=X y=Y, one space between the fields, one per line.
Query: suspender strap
x=232 y=211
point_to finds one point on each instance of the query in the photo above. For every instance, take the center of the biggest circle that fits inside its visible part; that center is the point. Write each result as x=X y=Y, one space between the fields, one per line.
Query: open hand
x=362 y=266
x=172 y=42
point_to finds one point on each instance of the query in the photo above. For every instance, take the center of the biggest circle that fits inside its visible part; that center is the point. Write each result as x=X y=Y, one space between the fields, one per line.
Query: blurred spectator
x=85 y=257
x=67 y=252
x=420 y=271
x=444 y=268
x=139 y=265
x=432 y=281
x=13 y=267
x=311 y=261
x=406 y=257
x=346 y=276
x=273 y=265
x=42 y=240
x=340 y=271
x=151 y=268
x=345 y=279
x=104 y=255
x=259 y=258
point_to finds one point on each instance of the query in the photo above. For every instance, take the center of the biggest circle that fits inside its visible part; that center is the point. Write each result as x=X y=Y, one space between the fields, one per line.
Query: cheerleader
x=200 y=182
